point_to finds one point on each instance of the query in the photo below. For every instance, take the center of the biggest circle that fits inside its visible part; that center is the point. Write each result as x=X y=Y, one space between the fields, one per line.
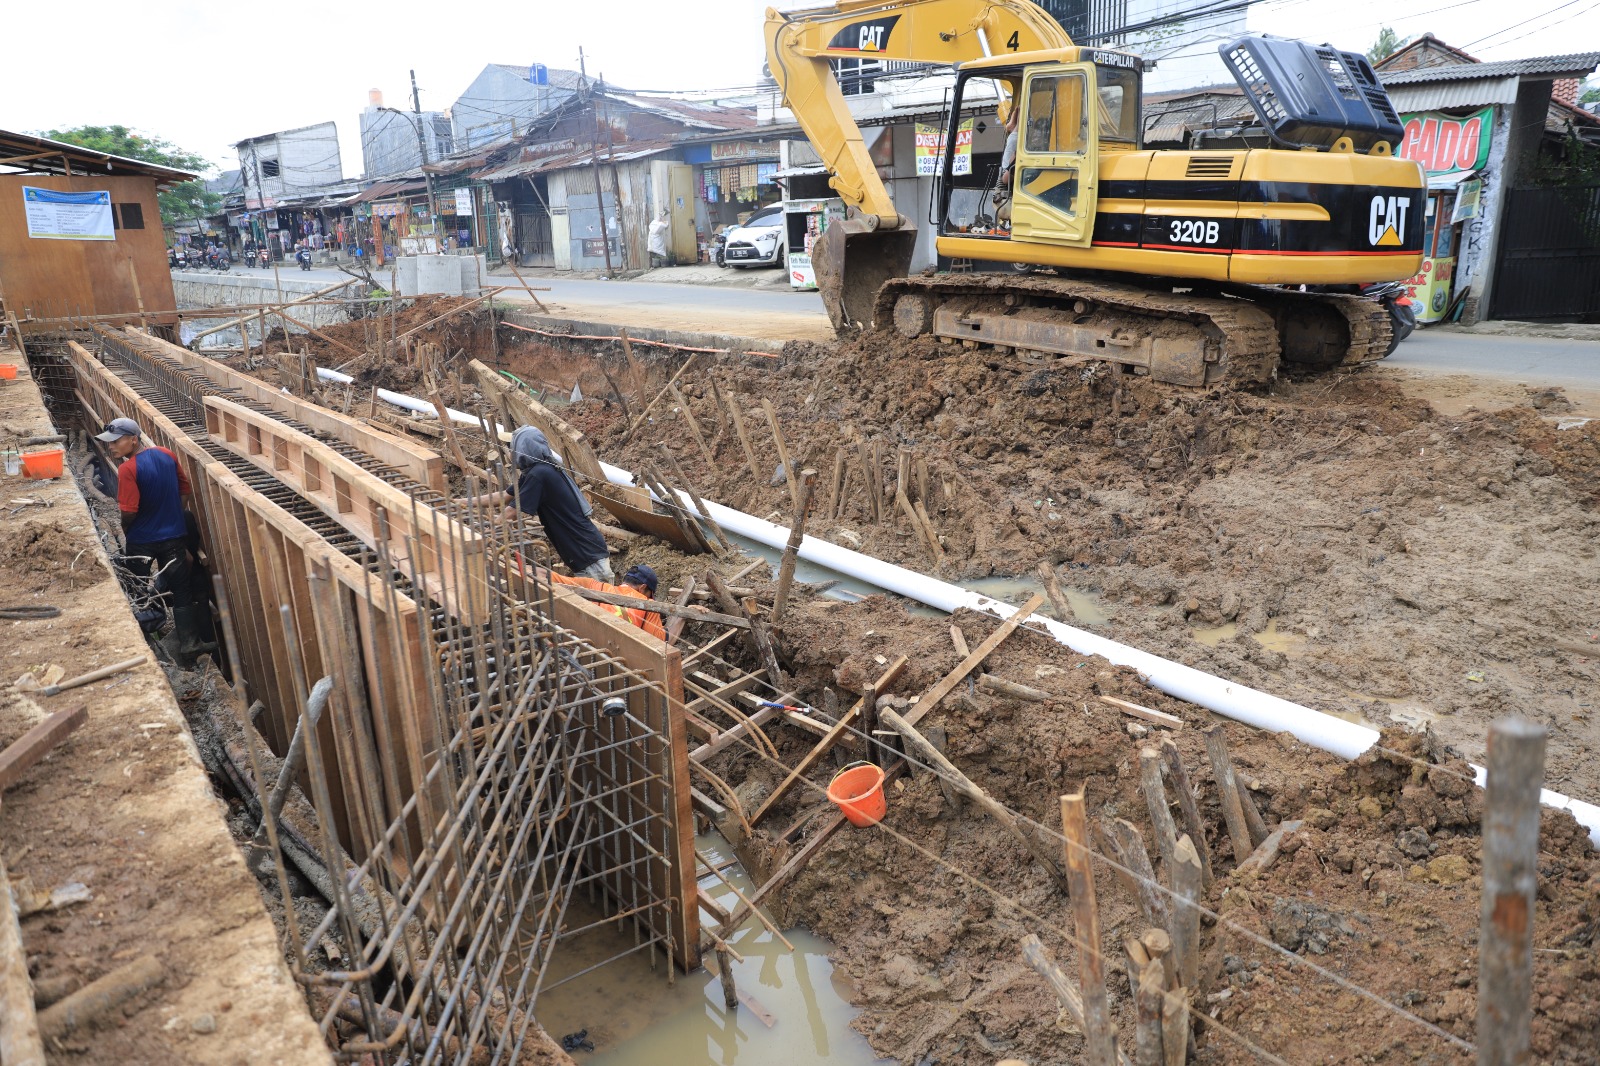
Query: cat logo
x=1387 y=221
x=869 y=36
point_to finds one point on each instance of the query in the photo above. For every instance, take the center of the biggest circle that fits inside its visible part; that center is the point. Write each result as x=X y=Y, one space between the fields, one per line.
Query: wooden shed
x=80 y=235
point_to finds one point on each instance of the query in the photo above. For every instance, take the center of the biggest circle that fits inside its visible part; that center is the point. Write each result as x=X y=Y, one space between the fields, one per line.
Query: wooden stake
x=947 y=684
x=887 y=678
x=1510 y=878
x=870 y=484
x=1100 y=1036
x=1155 y=798
x=675 y=625
x=928 y=530
x=1266 y=852
x=959 y=639
x=634 y=370
x=1014 y=689
x=1148 y=1003
x=1071 y=1001
x=996 y=810
x=1171 y=721
x=694 y=426
x=1228 y=794
x=935 y=553
x=902 y=473
x=730 y=994
x=783 y=451
x=953 y=800
x=1186 y=803
x=791 y=550
x=700 y=505
x=922 y=481
x=628 y=350
x=744 y=442
x=836 y=484
x=878 y=490
x=1185 y=928
x=1126 y=841
x=1252 y=817
x=1052 y=588
x=20 y=1041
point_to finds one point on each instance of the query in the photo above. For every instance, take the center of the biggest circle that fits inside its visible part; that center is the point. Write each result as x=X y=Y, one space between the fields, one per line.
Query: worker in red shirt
x=151 y=489
x=640 y=581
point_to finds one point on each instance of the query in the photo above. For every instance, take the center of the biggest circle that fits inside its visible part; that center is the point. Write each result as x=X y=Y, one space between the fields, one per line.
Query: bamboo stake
x=791 y=550
x=1100 y=1036
x=1228 y=794
x=1195 y=828
x=996 y=810
x=1155 y=798
x=1510 y=878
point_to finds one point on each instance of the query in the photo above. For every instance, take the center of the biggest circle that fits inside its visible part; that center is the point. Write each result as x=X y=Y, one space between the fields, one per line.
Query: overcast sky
x=205 y=75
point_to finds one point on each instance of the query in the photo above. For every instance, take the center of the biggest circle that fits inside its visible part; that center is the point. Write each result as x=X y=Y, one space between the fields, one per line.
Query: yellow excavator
x=1194 y=267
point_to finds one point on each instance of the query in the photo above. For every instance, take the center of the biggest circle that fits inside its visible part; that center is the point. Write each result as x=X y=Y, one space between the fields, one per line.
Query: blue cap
x=640 y=574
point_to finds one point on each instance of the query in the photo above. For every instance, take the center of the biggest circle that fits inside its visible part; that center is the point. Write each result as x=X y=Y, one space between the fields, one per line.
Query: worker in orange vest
x=640 y=581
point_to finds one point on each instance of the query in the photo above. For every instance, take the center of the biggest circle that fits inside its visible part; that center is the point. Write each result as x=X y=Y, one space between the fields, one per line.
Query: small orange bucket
x=8 y=371
x=43 y=465
x=857 y=791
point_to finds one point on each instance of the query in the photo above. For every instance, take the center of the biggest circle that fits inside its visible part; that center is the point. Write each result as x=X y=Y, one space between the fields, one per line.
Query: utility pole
x=422 y=147
x=594 y=158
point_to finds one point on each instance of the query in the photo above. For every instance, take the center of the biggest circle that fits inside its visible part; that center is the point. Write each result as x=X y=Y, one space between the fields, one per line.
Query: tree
x=186 y=200
x=1590 y=94
x=1387 y=44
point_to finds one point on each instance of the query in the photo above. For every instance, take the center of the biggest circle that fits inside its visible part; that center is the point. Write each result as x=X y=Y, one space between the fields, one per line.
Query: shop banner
x=463 y=201
x=68 y=216
x=1469 y=195
x=1445 y=143
x=930 y=149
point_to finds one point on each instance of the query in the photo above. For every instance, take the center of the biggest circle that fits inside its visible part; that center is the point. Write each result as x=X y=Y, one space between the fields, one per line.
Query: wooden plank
x=361 y=503
x=930 y=699
x=421 y=464
x=26 y=751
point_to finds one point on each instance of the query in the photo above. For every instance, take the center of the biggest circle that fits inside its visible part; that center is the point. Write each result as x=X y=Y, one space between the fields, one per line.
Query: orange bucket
x=857 y=791
x=8 y=371
x=43 y=465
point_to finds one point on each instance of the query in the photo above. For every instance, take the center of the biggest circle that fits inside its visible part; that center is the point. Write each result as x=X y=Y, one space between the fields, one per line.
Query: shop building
x=1510 y=217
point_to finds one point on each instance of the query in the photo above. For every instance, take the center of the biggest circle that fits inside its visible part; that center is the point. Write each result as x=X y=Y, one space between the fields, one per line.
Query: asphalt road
x=1534 y=360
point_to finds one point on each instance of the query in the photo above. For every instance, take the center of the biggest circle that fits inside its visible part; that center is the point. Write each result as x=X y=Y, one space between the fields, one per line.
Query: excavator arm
x=874 y=244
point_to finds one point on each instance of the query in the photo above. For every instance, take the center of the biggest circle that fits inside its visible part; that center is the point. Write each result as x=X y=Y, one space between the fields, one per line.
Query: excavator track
x=1320 y=331
x=1179 y=338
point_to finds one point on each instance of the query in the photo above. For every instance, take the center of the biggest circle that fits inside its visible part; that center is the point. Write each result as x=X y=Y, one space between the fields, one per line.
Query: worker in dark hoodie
x=546 y=490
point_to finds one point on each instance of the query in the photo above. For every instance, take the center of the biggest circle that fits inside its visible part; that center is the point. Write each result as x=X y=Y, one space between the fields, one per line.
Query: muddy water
x=1272 y=638
x=634 y=1019
x=1087 y=610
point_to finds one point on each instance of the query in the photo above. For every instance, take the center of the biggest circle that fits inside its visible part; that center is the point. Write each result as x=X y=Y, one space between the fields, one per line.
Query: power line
x=1524 y=22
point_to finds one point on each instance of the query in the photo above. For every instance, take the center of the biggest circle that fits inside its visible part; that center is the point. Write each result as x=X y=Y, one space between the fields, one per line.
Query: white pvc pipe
x=1228 y=698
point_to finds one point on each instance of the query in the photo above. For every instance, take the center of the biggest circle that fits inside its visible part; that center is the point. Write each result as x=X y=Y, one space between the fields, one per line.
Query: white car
x=759 y=242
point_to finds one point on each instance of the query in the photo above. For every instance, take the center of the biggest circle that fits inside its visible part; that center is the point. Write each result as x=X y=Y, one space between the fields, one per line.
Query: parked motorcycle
x=1396 y=299
x=719 y=242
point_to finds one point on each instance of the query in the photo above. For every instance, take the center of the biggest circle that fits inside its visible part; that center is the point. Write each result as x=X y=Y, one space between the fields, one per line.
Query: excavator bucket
x=852 y=260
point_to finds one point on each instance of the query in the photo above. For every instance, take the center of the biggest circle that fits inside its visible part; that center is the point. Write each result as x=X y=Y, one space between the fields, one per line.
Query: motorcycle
x=1396 y=299
x=303 y=257
x=719 y=241
x=264 y=257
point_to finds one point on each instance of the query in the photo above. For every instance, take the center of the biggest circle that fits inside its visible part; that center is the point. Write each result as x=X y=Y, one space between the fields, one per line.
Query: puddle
x=1406 y=712
x=1290 y=644
x=635 y=1019
x=1086 y=607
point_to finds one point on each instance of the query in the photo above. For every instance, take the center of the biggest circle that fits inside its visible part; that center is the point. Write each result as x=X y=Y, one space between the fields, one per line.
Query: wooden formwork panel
x=265 y=557
x=442 y=555
x=419 y=463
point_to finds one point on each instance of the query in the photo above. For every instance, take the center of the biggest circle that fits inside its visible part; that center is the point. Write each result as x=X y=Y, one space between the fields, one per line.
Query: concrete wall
x=307 y=160
x=231 y=290
x=498 y=100
x=389 y=141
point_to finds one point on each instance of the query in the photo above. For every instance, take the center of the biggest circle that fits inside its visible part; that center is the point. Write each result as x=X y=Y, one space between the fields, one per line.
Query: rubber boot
x=190 y=640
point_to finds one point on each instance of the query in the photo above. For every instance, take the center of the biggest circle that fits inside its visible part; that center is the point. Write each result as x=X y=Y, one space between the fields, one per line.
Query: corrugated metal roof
x=1440 y=95
x=1576 y=65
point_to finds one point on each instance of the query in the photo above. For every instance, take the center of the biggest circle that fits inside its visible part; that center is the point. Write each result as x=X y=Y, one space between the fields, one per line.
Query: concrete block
x=438 y=274
x=474 y=268
x=405 y=270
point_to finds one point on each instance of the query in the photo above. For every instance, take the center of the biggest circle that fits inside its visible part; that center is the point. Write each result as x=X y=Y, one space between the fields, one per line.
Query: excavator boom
x=854 y=258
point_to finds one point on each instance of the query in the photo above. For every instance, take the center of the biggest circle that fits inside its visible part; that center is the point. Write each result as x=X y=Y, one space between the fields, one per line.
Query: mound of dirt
x=1379 y=888
x=44 y=554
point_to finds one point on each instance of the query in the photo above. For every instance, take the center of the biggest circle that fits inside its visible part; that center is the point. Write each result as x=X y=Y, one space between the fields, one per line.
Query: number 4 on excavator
x=1187 y=266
